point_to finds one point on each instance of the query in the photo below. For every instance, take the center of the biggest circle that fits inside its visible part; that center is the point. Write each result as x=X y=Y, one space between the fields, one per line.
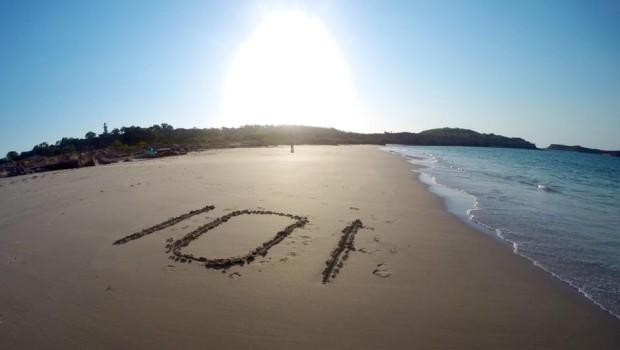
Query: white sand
x=419 y=278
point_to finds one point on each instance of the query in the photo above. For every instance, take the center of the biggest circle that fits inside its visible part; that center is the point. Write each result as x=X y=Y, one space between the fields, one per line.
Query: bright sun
x=290 y=71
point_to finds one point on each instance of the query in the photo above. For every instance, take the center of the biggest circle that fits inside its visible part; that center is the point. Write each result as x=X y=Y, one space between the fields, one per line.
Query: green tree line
x=257 y=135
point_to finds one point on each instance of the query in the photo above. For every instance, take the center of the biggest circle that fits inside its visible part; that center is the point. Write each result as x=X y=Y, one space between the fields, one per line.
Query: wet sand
x=279 y=261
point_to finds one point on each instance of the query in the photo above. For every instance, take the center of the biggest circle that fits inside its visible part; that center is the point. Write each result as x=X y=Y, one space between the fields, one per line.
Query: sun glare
x=289 y=71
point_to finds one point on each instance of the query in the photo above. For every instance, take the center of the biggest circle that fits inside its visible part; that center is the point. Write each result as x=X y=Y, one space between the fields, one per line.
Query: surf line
x=340 y=255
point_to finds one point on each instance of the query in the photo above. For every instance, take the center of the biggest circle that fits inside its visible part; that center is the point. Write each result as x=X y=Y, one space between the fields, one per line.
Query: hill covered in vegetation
x=166 y=135
x=457 y=137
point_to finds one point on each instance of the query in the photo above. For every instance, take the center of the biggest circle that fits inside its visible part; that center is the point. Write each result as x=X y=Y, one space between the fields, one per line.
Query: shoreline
x=450 y=195
x=418 y=276
x=502 y=243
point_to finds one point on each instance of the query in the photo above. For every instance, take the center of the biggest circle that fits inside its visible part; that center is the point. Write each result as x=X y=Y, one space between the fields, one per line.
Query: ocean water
x=559 y=209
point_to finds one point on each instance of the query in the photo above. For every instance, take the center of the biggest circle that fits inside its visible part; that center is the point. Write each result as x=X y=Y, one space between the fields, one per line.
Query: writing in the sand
x=175 y=247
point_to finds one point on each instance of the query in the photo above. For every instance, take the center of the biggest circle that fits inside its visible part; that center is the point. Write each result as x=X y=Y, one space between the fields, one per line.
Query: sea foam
x=561 y=210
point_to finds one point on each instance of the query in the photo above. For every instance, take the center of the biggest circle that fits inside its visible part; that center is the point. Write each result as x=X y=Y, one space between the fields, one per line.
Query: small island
x=580 y=149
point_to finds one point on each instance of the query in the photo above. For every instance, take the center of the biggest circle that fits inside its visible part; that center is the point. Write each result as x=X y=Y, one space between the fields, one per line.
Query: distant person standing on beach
x=292 y=148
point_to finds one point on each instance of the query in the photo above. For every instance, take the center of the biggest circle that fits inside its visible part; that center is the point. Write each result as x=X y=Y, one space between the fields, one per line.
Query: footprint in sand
x=234 y=275
x=381 y=271
x=171 y=268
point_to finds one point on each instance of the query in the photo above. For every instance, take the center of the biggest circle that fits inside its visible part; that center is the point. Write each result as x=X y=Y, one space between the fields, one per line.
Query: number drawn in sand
x=170 y=222
x=174 y=247
x=340 y=255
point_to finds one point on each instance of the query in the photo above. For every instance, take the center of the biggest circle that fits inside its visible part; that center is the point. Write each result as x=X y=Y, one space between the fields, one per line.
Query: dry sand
x=419 y=279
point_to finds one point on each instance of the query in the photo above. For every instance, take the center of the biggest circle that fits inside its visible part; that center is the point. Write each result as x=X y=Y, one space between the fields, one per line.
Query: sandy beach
x=408 y=276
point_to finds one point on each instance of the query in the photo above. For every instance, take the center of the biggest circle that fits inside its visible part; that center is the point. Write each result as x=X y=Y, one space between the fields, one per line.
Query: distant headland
x=134 y=142
x=580 y=149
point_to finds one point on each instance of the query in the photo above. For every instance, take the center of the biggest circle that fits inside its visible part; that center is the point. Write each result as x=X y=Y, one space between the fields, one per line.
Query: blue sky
x=547 y=71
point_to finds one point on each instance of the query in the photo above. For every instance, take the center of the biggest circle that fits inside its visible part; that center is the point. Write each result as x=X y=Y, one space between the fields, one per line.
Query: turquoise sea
x=559 y=209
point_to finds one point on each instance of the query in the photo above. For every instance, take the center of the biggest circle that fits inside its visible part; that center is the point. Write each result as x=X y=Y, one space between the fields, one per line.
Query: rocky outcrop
x=42 y=164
